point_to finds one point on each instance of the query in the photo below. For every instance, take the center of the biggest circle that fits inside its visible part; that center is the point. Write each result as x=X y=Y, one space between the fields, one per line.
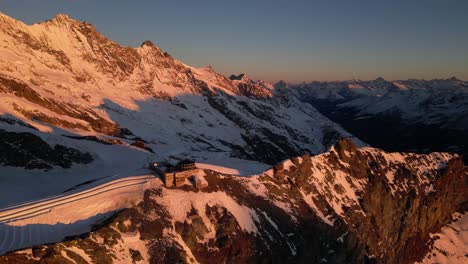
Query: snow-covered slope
x=52 y=219
x=106 y=109
x=63 y=73
x=450 y=244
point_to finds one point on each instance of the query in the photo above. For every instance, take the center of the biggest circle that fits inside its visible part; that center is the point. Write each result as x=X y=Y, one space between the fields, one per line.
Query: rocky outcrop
x=141 y=144
x=399 y=199
x=79 y=114
x=250 y=88
x=31 y=152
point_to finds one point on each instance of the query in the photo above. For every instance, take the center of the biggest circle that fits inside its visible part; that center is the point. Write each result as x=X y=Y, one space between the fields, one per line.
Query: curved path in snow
x=53 y=218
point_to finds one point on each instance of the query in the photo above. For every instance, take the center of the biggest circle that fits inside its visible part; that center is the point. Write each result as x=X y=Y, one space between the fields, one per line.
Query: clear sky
x=300 y=40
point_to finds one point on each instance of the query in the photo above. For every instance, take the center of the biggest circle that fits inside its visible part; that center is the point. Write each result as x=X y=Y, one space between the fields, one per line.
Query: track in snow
x=53 y=218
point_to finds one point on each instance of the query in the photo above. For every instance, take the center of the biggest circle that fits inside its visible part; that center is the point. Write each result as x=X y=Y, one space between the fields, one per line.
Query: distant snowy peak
x=244 y=78
x=381 y=86
x=148 y=44
x=251 y=88
x=62 y=20
x=237 y=77
x=281 y=85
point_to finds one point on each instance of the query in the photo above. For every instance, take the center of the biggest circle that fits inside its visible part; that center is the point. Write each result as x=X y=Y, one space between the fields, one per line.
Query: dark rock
x=236 y=77
x=345 y=148
x=94 y=120
x=142 y=145
x=98 y=139
x=30 y=151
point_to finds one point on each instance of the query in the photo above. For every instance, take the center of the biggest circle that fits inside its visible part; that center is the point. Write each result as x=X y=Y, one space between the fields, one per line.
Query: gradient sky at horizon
x=279 y=39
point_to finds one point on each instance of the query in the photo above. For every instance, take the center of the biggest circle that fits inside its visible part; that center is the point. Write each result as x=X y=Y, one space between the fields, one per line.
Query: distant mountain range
x=411 y=115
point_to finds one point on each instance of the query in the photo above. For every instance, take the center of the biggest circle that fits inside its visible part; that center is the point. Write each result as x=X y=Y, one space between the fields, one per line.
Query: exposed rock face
x=78 y=113
x=403 y=199
x=31 y=152
x=350 y=205
x=250 y=88
x=141 y=144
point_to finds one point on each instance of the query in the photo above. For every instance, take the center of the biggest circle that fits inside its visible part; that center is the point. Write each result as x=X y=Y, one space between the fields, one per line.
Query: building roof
x=186 y=162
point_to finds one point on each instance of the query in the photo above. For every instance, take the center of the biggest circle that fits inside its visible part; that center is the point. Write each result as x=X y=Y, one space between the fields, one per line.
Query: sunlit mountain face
x=113 y=154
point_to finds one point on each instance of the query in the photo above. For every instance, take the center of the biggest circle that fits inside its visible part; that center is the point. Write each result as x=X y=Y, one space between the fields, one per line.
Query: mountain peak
x=280 y=84
x=236 y=77
x=149 y=46
x=62 y=19
x=209 y=68
x=148 y=43
x=62 y=16
x=241 y=77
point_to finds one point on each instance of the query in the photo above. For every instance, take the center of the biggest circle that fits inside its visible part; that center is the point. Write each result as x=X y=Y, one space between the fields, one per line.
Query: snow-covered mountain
x=347 y=205
x=87 y=100
x=408 y=115
x=63 y=74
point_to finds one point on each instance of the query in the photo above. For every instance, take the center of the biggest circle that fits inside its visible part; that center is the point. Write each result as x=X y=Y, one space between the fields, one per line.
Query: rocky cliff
x=349 y=205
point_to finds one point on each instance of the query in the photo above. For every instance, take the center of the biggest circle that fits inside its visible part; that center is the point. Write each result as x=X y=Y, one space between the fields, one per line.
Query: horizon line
x=271 y=81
